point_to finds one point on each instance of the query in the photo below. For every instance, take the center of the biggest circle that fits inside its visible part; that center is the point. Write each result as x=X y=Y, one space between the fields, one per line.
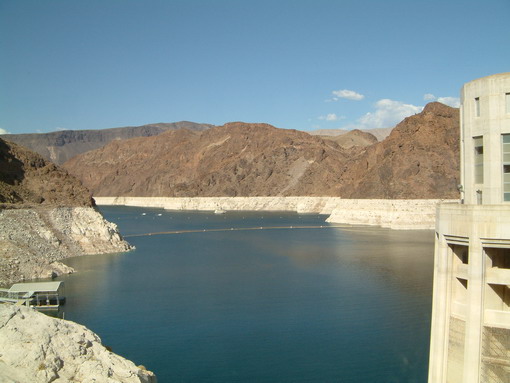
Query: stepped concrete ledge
x=416 y=214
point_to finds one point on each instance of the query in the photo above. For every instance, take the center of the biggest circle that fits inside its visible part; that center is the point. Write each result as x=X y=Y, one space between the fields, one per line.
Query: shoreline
x=398 y=214
x=35 y=240
x=39 y=348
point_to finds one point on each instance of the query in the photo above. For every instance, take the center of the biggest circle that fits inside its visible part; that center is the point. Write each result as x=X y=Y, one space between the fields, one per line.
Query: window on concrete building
x=477 y=107
x=461 y=252
x=506 y=167
x=497 y=291
x=478 y=143
x=498 y=257
x=497 y=297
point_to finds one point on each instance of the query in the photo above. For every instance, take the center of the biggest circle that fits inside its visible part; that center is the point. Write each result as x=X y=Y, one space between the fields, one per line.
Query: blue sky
x=296 y=64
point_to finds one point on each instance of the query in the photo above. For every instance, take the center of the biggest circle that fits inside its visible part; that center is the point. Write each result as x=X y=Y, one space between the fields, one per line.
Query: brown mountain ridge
x=60 y=146
x=236 y=159
x=418 y=160
x=27 y=178
x=353 y=138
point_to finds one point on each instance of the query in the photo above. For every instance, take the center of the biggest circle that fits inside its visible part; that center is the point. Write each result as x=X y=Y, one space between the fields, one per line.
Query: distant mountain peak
x=418 y=160
x=62 y=145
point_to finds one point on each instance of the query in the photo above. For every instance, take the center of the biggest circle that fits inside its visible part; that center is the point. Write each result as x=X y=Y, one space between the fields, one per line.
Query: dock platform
x=39 y=295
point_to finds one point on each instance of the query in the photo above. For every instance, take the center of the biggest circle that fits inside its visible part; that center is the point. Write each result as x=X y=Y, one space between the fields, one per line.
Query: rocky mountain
x=27 y=178
x=418 y=160
x=46 y=215
x=353 y=138
x=379 y=133
x=236 y=159
x=63 y=145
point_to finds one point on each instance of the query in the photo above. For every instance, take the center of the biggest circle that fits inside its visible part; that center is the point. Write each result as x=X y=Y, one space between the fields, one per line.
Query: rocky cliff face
x=418 y=160
x=40 y=349
x=353 y=138
x=60 y=146
x=27 y=178
x=379 y=133
x=34 y=241
x=236 y=159
x=46 y=215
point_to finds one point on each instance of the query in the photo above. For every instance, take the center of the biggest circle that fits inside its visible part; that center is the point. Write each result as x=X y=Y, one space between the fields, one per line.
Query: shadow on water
x=336 y=304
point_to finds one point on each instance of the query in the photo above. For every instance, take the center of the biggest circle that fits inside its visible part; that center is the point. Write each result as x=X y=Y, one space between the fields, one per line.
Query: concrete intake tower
x=470 y=334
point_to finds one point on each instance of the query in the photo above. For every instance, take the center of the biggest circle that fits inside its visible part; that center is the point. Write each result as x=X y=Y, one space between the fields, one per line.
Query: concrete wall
x=492 y=122
x=466 y=311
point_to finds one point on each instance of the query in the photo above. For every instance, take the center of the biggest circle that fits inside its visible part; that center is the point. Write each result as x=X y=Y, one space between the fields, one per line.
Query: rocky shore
x=401 y=214
x=417 y=214
x=40 y=349
x=33 y=241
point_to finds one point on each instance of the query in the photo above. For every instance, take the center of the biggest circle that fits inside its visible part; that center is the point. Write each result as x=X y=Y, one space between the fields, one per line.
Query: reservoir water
x=285 y=304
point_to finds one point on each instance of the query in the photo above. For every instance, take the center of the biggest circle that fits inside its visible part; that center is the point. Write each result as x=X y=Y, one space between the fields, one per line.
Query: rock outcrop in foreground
x=36 y=348
x=46 y=215
x=34 y=241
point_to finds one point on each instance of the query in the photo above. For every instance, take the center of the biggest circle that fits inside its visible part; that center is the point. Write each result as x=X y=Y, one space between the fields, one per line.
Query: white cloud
x=347 y=94
x=450 y=101
x=387 y=114
x=331 y=117
x=3 y=131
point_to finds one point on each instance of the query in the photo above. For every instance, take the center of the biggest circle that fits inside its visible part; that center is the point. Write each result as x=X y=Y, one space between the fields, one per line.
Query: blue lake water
x=318 y=304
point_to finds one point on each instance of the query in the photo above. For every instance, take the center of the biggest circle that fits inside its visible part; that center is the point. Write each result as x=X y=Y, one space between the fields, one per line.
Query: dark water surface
x=282 y=305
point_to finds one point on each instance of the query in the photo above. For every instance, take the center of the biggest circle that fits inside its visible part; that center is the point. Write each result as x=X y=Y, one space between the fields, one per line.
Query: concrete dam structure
x=470 y=335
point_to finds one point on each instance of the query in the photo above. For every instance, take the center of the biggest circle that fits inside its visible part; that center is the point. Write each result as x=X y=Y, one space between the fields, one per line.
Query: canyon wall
x=34 y=241
x=418 y=160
